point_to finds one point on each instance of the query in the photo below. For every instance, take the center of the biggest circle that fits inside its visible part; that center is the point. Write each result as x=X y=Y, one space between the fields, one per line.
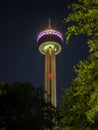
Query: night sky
x=20 y=59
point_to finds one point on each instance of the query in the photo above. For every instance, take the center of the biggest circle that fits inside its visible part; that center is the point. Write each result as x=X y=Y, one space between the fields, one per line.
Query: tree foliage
x=80 y=103
x=22 y=107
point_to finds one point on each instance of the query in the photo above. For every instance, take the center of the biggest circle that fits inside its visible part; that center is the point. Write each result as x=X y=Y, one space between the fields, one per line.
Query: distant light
x=47 y=32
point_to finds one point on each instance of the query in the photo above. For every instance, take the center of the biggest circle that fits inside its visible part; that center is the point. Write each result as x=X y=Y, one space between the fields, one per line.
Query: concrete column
x=50 y=77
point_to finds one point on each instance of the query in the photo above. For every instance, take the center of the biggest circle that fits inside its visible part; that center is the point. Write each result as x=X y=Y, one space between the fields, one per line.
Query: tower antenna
x=49 y=22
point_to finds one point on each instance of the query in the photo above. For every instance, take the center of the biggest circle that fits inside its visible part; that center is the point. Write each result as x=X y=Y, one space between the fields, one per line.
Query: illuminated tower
x=49 y=42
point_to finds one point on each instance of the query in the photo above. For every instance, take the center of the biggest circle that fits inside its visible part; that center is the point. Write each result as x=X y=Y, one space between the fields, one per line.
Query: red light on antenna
x=50 y=76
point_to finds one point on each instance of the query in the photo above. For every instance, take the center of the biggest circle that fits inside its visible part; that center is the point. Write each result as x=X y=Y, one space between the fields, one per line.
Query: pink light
x=50 y=32
x=47 y=32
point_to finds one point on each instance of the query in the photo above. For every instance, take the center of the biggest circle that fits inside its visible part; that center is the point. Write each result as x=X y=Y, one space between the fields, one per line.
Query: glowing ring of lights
x=47 y=32
x=45 y=46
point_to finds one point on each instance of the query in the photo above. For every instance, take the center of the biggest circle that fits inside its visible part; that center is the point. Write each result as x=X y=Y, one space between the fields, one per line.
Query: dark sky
x=20 y=60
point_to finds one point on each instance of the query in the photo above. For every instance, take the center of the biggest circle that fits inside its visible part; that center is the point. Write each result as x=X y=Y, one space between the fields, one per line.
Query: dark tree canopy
x=22 y=107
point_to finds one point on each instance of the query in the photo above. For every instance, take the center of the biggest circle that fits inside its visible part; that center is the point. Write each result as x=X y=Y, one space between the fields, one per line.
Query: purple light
x=49 y=32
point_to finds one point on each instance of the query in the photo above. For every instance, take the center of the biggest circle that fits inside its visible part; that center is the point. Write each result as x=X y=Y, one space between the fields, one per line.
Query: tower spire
x=49 y=22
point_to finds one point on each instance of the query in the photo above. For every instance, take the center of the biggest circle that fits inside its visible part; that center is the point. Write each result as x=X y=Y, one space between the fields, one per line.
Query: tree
x=80 y=103
x=22 y=107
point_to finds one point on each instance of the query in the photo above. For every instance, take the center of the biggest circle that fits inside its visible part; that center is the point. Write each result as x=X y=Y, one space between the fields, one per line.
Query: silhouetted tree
x=22 y=107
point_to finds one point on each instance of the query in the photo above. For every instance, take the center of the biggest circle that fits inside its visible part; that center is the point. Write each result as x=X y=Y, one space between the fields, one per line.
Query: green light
x=48 y=46
x=45 y=46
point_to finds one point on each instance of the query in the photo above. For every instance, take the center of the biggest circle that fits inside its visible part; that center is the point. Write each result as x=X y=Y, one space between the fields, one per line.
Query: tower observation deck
x=49 y=42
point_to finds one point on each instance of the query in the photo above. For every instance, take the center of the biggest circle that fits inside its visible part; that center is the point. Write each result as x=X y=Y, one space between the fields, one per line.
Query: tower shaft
x=50 y=77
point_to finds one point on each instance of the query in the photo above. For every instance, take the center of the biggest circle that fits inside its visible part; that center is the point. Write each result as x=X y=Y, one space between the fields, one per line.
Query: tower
x=49 y=42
